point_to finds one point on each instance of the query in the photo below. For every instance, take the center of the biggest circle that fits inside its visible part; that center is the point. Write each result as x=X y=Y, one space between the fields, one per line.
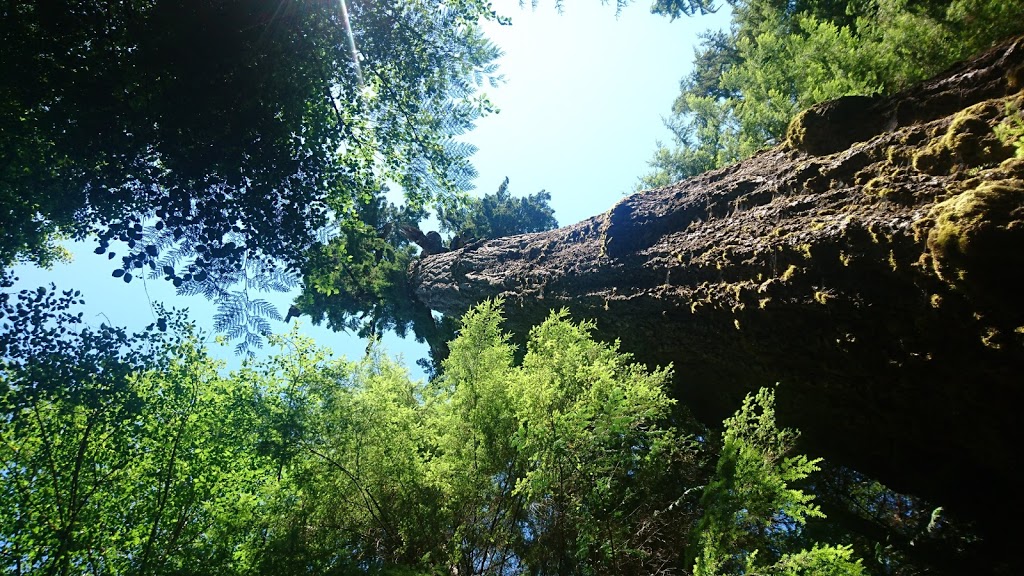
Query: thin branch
x=369 y=501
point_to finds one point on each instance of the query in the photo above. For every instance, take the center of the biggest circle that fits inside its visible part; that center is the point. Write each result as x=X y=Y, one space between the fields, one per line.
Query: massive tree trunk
x=872 y=265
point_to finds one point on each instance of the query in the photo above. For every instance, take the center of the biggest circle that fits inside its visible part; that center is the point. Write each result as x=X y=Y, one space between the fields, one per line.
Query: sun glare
x=351 y=41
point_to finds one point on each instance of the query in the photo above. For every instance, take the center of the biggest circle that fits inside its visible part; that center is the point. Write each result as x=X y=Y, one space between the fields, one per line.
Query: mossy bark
x=881 y=289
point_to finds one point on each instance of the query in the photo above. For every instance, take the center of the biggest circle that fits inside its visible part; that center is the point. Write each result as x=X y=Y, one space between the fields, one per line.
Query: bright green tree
x=563 y=463
x=779 y=58
x=609 y=480
x=476 y=471
x=134 y=454
x=347 y=438
x=753 y=516
x=121 y=454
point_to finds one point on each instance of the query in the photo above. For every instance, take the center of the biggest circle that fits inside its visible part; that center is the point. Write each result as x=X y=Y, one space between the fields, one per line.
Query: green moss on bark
x=969 y=241
x=968 y=142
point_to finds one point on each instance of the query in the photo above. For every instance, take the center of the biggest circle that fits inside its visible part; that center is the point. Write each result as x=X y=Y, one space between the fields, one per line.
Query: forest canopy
x=149 y=460
x=214 y=144
x=236 y=146
x=201 y=132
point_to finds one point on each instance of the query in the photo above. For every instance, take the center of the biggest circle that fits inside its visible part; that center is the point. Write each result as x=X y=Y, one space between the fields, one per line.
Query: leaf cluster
x=358 y=280
x=121 y=454
x=752 y=511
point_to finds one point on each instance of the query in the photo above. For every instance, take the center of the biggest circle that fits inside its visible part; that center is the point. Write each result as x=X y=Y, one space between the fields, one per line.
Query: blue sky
x=582 y=106
x=581 y=110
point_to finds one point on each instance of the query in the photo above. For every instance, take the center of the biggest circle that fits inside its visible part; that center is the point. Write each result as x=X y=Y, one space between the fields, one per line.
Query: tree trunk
x=871 y=265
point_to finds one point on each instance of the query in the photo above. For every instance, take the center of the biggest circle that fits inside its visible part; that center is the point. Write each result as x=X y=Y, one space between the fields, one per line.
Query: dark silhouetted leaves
x=238 y=130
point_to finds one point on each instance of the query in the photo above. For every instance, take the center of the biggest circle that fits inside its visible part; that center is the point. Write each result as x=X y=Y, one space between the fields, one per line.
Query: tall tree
x=565 y=462
x=121 y=454
x=779 y=58
x=499 y=214
x=854 y=264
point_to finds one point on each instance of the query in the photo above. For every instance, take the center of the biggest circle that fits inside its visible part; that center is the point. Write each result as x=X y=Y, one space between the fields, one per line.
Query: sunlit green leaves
x=121 y=454
x=561 y=461
x=780 y=58
x=753 y=515
x=576 y=437
x=602 y=468
x=150 y=460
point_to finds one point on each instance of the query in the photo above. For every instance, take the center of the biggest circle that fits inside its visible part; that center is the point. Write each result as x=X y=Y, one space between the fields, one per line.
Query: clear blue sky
x=581 y=111
x=584 y=99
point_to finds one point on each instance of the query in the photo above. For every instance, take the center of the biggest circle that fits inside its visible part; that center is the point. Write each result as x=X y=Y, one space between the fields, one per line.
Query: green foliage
x=359 y=282
x=563 y=464
x=1011 y=130
x=608 y=480
x=121 y=454
x=133 y=455
x=498 y=215
x=677 y=8
x=894 y=533
x=217 y=143
x=752 y=513
x=780 y=58
x=818 y=561
x=347 y=438
x=559 y=465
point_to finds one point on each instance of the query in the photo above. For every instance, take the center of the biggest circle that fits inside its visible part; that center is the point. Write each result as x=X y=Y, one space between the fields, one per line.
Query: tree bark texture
x=871 y=265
